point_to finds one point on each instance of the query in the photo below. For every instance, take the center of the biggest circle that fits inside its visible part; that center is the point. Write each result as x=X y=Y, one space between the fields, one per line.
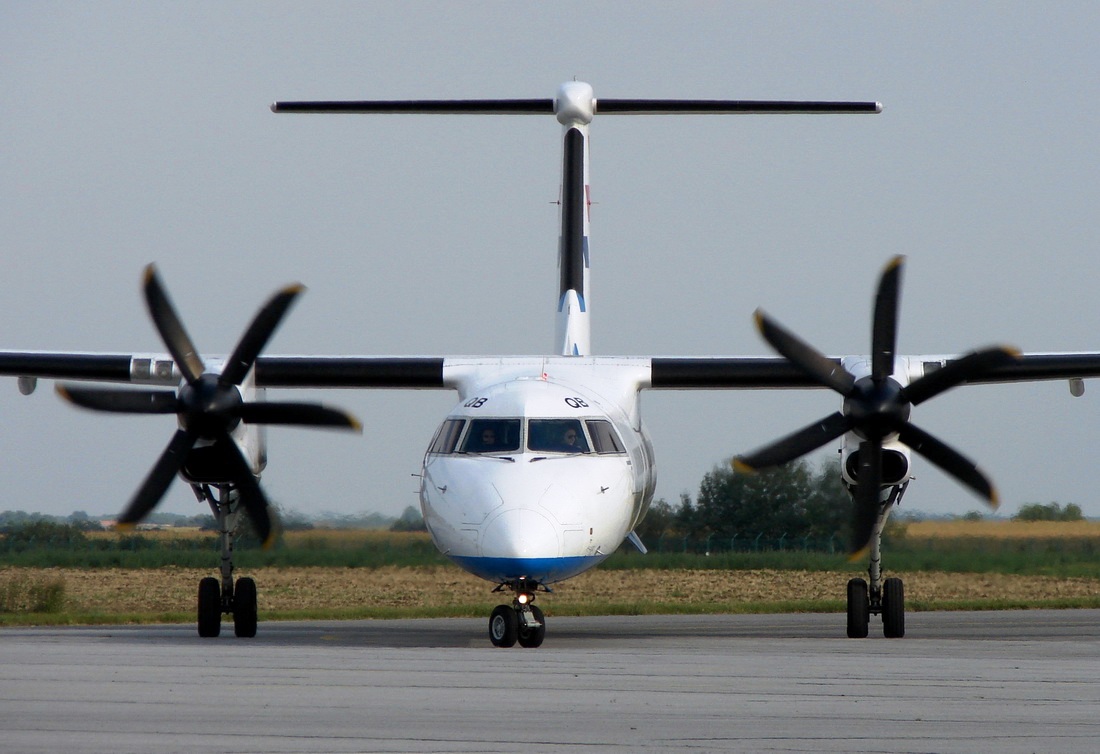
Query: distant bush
x=42 y=533
x=1049 y=512
x=410 y=520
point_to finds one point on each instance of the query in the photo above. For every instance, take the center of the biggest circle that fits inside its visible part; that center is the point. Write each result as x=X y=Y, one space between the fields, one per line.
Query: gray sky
x=138 y=132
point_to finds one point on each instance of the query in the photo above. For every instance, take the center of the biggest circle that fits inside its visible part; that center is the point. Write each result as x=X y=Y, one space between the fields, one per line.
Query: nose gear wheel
x=521 y=622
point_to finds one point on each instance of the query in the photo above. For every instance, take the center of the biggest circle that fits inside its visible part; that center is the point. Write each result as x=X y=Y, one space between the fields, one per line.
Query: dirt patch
x=174 y=589
x=1018 y=530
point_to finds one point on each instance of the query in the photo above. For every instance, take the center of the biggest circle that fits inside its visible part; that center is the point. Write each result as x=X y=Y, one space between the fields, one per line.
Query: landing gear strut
x=881 y=597
x=218 y=597
x=521 y=621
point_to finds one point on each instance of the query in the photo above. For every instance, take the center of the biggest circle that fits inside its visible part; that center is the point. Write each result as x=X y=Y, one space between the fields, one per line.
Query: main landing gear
x=218 y=597
x=881 y=597
x=521 y=621
x=889 y=602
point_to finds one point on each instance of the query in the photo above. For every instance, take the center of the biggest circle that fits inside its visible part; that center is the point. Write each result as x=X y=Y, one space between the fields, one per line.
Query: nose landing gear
x=521 y=621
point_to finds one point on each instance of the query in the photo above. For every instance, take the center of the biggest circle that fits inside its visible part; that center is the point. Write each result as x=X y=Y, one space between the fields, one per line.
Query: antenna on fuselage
x=574 y=108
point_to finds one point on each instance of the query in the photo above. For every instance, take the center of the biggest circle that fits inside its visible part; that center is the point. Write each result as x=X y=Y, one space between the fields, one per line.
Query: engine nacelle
x=895 y=461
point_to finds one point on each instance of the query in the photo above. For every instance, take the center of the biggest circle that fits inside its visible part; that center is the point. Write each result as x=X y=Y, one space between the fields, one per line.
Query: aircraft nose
x=521 y=533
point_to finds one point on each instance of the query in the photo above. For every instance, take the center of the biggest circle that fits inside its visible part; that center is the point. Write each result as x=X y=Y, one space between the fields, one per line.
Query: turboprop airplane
x=544 y=467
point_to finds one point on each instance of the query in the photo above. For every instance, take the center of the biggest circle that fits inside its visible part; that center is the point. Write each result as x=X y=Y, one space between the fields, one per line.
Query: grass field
x=972 y=565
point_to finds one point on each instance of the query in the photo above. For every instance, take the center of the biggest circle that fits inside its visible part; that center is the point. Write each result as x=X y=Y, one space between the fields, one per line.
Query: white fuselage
x=504 y=493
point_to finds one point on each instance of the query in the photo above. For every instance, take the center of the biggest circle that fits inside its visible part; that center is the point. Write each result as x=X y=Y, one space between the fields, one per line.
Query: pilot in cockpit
x=569 y=441
x=488 y=439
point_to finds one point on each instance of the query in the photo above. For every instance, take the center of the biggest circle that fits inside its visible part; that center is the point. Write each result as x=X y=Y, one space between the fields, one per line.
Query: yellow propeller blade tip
x=741 y=467
x=859 y=554
x=125 y=527
x=758 y=318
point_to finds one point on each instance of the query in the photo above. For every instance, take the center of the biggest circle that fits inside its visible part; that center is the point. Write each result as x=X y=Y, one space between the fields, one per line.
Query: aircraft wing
x=726 y=373
x=429 y=372
x=416 y=372
x=106 y=367
x=716 y=373
x=1045 y=366
x=271 y=371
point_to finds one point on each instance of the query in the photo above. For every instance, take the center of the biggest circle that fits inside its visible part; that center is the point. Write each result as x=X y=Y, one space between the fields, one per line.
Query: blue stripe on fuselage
x=542 y=570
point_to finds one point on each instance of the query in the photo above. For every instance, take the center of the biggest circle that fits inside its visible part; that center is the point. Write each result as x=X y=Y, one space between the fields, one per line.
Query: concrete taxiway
x=968 y=682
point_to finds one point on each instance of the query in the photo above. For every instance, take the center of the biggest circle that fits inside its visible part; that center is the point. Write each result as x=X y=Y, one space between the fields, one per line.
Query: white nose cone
x=520 y=533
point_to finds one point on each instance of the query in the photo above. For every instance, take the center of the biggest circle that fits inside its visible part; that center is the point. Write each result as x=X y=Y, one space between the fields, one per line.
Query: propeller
x=876 y=407
x=209 y=406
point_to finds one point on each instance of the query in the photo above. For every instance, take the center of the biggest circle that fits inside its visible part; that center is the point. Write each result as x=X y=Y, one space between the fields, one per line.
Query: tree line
x=799 y=501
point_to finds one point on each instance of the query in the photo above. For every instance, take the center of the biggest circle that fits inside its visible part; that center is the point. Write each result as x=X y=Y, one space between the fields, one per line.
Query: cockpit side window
x=556 y=436
x=492 y=436
x=604 y=439
x=447 y=436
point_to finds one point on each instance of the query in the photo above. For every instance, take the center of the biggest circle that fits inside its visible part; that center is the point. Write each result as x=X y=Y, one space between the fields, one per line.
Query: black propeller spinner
x=209 y=407
x=876 y=407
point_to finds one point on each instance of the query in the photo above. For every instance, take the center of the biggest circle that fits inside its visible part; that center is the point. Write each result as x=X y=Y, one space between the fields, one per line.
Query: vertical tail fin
x=573 y=108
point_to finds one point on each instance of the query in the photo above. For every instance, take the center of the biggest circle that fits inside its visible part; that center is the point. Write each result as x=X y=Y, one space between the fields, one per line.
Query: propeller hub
x=208 y=407
x=878 y=409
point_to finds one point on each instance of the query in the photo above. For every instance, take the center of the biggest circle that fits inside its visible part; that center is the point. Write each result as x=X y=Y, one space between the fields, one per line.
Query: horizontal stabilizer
x=546 y=107
x=426 y=107
x=720 y=107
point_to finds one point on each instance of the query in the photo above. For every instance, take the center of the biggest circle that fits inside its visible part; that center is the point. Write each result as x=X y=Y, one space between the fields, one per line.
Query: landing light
x=523 y=599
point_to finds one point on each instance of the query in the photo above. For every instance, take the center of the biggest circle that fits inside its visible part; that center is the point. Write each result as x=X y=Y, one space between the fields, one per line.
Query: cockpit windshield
x=499 y=435
x=556 y=436
x=492 y=436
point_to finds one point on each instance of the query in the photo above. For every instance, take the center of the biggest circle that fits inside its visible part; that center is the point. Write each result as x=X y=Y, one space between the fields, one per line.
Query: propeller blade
x=950 y=460
x=804 y=356
x=252 y=497
x=958 y=371
x=301 y=414
x=158 y=479
x=796 y=444
x=257 y=335
x=866 y=504
x=884 y=333
x=120 y=401
x=170 y=327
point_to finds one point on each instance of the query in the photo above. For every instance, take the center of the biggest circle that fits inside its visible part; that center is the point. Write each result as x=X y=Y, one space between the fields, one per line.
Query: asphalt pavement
x=1013 y=681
